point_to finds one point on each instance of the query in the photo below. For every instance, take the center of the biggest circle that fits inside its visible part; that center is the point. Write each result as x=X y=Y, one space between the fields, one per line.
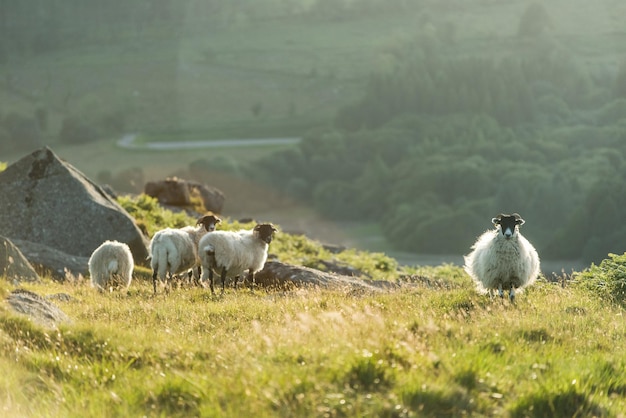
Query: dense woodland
x=438 y=145
x=448 y=134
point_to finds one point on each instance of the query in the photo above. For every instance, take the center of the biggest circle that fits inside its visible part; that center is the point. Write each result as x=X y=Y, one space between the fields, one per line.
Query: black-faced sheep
x=231 y=253
x=175 y=251
x=111 y=265
x=502 y=258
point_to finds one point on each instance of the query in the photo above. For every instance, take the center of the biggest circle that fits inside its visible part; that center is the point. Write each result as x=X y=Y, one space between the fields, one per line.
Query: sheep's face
x=508 y=225
x=209 y=222
x=265 y=232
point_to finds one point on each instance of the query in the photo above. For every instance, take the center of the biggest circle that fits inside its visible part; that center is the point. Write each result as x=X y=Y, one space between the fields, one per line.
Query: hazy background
x=419 y=120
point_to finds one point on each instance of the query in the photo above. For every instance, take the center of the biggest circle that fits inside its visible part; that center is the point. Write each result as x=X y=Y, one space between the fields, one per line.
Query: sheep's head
x=209 y=222
x=508 y=225
x=265 y=232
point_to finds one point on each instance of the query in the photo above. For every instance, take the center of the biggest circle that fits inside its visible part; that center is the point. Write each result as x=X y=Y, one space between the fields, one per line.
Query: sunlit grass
x=421 y=350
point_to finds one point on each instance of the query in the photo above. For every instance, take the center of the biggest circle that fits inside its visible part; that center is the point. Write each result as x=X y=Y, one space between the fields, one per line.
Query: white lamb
x=111 y=265
x=231 y=253
x=175 y=251
x=503 y=258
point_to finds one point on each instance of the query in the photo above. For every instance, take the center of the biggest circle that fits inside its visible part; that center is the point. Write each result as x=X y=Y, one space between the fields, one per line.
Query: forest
x=439 y=144
x=461 y=112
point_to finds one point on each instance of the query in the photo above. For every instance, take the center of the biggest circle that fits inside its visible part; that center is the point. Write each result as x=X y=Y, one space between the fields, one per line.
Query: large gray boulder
x=47 y=201
x=52 y=262
x=39 y=309
x=13 y=265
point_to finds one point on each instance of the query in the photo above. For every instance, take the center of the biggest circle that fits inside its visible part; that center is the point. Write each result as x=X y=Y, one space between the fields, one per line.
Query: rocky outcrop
x=13 y=265
x=49 y=202
x=177 y=193
x=280 y=275
x=49 y=261
x=39 y=309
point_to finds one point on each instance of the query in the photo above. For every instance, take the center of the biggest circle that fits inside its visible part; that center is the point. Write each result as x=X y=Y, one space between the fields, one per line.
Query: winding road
x=128 y=142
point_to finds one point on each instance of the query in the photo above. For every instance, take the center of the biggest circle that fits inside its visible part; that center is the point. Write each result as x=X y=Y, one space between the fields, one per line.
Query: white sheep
x=231 y=253
x=502 y=258
x=111 y=264
x=175 y=251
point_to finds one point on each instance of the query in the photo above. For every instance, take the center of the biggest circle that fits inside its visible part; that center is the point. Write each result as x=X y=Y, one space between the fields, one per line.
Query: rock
x=277 y=274
x=13 y=265
x=170 y=191
x=50 y=261
x=340 y=268
x=47 y=201
x=212 y=197
x=178 y=192
x=38 y=309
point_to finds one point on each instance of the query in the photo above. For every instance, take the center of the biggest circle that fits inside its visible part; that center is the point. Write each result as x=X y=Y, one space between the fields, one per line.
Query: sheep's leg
x=512 y=294
x=500 y=292
x=223 y=278
x=251 y=279
x=154 y=280
x=197 y=278
x=167 y=282
x=211 y=280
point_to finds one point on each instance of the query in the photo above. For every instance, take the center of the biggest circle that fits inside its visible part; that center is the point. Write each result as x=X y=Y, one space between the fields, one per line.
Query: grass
x=416 y=351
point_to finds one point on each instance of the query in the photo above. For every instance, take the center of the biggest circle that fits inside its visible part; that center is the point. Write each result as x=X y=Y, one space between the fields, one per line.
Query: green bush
x=149 y=214
x=607 y=280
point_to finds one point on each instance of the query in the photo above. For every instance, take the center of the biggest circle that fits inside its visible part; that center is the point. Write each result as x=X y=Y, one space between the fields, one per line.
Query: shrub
x=147 y=211
x=607 y=280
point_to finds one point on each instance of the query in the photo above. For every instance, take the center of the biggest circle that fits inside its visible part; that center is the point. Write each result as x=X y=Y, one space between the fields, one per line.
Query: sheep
x=231 y=253
x=111 y=264
x=502 y=258
x=174 y=251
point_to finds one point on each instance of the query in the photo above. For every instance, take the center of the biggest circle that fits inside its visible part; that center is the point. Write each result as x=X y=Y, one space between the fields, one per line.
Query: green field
x=431 y=349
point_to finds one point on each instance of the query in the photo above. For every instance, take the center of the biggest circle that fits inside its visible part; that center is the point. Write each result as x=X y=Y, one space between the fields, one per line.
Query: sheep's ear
x=495 y=221
x=518 y=219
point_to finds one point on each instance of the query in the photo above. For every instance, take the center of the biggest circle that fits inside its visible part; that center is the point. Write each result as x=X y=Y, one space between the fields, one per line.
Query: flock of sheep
x=192 y=249
x=501 y=259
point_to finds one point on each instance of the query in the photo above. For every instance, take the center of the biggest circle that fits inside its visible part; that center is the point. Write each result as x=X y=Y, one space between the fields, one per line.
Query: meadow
x=432 y=347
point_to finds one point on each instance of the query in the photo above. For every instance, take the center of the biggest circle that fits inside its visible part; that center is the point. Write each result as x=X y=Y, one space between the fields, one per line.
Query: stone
x=39 y=309
x=49 y=261
x=170 y=191
x=280 y=275
x=13 y=265
x=178 y=193
x=48 y=201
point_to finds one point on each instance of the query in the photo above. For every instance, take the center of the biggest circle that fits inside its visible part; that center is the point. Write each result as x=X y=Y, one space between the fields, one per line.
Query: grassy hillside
x=431 y=347
x=422 y=350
